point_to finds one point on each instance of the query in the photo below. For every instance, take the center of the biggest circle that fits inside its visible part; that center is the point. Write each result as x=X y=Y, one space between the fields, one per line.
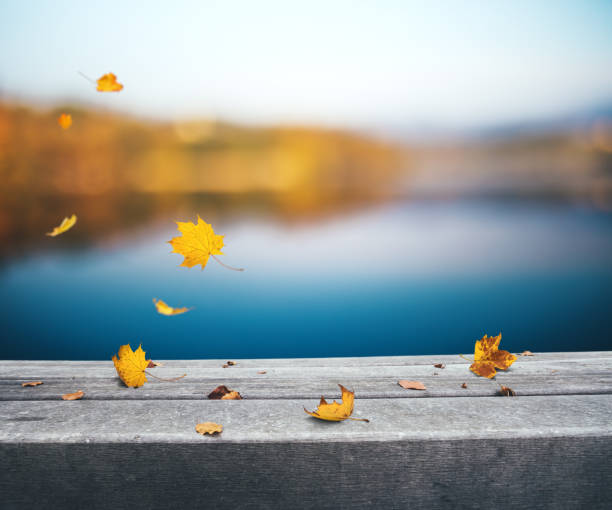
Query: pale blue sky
x=450 y=64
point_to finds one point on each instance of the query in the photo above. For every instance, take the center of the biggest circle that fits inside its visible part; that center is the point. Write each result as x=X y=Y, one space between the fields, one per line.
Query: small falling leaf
x=153 y=364
x=131 y=365
x=336 y=411
x=66 y=224
x=77 y=395
x=224 y=393
x=464 y=385
x=31 y=383
x=166 y=309
x=487 y=357
x=209 y=428
x=197 y=243
x=527 y=353
x=411 y=385
x=439 y=365
x=507 y=392
x=262 y=372
x=65 y=120
x=108 y=83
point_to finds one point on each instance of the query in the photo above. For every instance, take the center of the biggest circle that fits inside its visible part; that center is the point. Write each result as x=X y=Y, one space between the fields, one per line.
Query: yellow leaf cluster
x=131 y=365
x=487 y=357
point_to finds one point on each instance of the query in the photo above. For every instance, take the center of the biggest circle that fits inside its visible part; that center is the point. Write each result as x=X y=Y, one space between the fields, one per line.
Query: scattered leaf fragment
x=31 y=383
x=411 y=385
x=197 y=243
x=464 y=385
x=527 y=353
x=487 y=357
x=66 y=224
x=262 y=372
x=232 y=395
x=65 y=120
x=165 y=309
x=439 y=365
x=224 y=393
x=229 y=364
x=77 y=395
x=336 y=411
x=131 y=365
x=108 y=83
x=153 y=364
x=507 y=392
x=209 y=428
x=553 y=371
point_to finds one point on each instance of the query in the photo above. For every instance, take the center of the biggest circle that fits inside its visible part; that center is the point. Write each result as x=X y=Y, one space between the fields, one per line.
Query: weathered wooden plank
x=248 y=369
x=262 y=387
x=285 y=421
x=320 y=362
x=536 y=472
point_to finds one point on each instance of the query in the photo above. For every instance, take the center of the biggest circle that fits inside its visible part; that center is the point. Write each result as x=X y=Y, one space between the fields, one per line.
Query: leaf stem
x=87 y=77
x=468 y=359
x=226 y=266
x=166 y=380
x=359 y=419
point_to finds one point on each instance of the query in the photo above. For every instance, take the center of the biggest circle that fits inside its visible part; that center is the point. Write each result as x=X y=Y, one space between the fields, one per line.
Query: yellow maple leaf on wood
x=65 y=120
x=166 y=309
x=336 y=411
x=108 y=83
x=487 y=357
x=65 y=225
x=197 y=243
x=131 y=365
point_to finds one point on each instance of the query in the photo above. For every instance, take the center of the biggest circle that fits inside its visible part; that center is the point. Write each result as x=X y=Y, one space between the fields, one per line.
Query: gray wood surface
x=446 y=447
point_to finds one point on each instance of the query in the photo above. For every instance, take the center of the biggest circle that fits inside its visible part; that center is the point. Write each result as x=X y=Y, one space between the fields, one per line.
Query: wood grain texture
x=535 y=473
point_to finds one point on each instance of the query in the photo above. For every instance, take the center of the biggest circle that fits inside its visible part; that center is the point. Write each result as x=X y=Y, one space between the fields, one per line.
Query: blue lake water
x=406 y=278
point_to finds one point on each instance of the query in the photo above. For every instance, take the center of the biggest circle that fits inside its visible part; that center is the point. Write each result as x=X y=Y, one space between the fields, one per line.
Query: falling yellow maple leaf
x=131 y=365
x=108 y=83
x=65 y=120
x=197 y=243
x=166 y=309
x=487 y=357
x=336 y=411
x=209 y=427
x=66 y=224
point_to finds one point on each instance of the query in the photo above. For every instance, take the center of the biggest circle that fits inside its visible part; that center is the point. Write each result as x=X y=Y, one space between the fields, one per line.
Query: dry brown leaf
x=507 y=392
x=527 y=353
x=229 y=364
x=224 y=393
x=31 y=383
x=262 y=372
x=439 y=365
x=77 y=395
x=153 y=364
x=464 y=385
x=411 y=385
x=209 y=428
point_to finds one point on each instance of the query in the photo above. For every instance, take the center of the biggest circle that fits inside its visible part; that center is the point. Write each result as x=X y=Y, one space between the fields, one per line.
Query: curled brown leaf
x=464 y=385
x=439 y=365
x=224 y=393
x=77 y=395
x=507 y=392
x=31 y=383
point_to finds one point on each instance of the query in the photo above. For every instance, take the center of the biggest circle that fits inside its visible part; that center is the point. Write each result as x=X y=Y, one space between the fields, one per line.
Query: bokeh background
x=396 y=177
